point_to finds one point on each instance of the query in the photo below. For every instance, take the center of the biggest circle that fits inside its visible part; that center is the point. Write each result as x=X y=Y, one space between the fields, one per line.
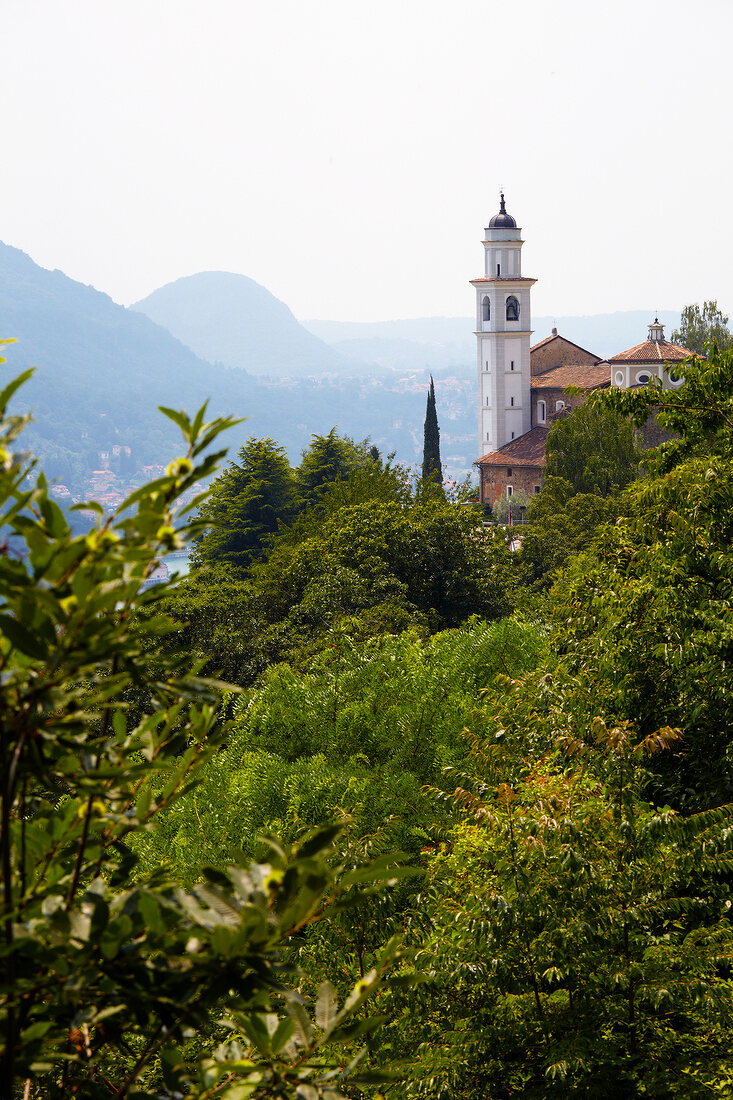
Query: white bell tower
x=503 y=331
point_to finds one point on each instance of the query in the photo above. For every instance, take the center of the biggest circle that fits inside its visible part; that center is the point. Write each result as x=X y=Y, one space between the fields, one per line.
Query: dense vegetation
x=500 y=782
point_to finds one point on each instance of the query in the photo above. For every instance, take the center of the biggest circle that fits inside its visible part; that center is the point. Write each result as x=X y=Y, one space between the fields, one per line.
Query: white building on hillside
x=503 y=331
x=523 y=389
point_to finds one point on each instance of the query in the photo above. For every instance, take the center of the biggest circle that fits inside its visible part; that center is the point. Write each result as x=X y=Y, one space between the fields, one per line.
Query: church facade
x=522 y=387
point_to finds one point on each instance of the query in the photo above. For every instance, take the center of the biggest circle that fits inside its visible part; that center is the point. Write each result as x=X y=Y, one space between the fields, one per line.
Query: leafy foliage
x=329 y=458
x=701 y=327
x=559 y=524
x=308 y=745
x=431 y=564
x=579 y=940
x=104 y=973
x=593 y=448
x=517 y=504
x=246 y=505
x=643 y=617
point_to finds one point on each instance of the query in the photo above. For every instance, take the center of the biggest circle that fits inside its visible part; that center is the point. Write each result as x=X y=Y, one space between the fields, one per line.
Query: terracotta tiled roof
x=587 y=375
x=652 y=351
x=528 y=450
x=559 y=336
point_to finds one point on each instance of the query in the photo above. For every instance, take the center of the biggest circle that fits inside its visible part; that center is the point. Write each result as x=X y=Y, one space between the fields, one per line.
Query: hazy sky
x=348 y=155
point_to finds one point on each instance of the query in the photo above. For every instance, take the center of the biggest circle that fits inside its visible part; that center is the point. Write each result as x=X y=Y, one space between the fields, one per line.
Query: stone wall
x=559 y=353
x=494 y=480
x=551 y=396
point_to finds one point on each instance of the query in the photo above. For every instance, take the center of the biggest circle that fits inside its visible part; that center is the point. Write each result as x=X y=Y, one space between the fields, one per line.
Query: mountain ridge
x=231 y=319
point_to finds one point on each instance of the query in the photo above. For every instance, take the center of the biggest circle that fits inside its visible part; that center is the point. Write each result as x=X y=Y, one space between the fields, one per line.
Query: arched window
x=559 y=405
x=512 y=308
x=509 y=491
x=541 y=412
x=487 y=308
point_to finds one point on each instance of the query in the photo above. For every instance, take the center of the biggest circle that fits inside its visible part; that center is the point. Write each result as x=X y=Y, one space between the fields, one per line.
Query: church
x=522 y=388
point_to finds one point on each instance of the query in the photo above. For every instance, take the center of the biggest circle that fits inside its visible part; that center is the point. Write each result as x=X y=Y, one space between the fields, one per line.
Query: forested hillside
x=370 y=804
x=102 y=370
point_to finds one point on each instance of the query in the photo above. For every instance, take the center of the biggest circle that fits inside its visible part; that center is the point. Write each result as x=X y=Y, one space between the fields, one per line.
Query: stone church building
x=522 y=388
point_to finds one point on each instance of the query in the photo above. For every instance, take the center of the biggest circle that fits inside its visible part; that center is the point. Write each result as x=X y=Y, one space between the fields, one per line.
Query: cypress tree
x=432 y=470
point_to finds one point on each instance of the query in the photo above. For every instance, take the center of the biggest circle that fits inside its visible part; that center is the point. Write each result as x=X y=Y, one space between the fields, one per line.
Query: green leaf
x=23 y=639
x=12 y=387
x=282 y=1035
x=256 y=1031
x=178 y=418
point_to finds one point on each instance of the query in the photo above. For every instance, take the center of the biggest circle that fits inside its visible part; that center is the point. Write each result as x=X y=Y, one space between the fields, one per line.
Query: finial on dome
x=502 y=220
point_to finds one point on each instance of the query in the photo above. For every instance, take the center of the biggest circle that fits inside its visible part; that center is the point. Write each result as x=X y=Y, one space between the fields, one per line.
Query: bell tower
x=503 y=331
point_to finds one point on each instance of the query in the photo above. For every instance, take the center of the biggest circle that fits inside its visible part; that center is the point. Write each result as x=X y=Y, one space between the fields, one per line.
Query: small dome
x=502 y=220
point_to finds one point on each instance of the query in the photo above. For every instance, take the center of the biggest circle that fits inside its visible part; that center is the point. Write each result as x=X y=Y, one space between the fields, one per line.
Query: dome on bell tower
x=502 y=220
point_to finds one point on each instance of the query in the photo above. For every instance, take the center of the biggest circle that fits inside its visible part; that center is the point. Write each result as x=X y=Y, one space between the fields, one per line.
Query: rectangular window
x=487 y=364
x=509 y=471
x=511 y=400
x=512 y=365
x=536 y=489
x=498 y=270
x=487 y=400
x=512 y=435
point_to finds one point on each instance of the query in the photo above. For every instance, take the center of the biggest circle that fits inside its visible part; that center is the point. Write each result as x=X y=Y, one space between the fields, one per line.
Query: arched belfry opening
x=512 y=308
x=486 y=308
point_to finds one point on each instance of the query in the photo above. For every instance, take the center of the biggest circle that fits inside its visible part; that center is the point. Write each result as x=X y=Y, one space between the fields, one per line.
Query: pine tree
x=432 y=470
x=247 y=504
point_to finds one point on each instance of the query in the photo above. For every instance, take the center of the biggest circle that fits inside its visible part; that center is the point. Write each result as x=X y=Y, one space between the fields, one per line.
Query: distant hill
x=103 y=369
x=231 y=319
x=437 y=342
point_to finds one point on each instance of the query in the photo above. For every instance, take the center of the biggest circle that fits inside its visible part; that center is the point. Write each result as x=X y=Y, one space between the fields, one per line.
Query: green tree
x=593 y=448
x=215 y=620
x=559 y=524
x=329 y=458
x=432 y=468
x=429 y=564
x=642 y=616
x=307 y=744
x=575 y=938
x=223 y=617
x=700 y=327
x=247 y=503
x=519 y=502
x=105 y=972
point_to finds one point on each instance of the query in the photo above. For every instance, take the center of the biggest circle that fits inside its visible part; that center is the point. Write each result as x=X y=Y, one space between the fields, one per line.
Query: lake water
x=178 y=563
